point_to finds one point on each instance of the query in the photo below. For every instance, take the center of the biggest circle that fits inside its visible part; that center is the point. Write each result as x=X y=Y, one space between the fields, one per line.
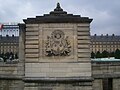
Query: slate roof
x=10 y=27
x=9 y=39
x=105 y=38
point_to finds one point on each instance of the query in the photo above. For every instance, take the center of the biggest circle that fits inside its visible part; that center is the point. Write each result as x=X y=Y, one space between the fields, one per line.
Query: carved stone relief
x=57 y=44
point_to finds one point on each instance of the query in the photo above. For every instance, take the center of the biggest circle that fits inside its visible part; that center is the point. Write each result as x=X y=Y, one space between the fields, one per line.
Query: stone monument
x=55 y=52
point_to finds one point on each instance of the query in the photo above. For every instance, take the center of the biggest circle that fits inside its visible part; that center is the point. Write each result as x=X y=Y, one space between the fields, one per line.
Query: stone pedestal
x=57 y=52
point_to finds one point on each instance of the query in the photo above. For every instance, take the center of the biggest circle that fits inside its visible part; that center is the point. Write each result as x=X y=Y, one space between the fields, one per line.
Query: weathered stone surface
x=58 y=69
x=84 y=60
x=32 y=42
x=83 y=50
x=32 y=29
x=106 y=69
x=11 y=85
x=58 y=86
x=31 y=60
x=97 y=84
x=77 y=64
x=87 y=55
x=84 y=38
x=31 y=50
x=83 y=46
x=80 y=25
x=31 y=25
x=32 y=46
x=31 y=55
x=83 y=29
x=87 y=42
x=8 y=69
x=32 y=33
x=83 y=34
x=116 y=84
x=31 y=37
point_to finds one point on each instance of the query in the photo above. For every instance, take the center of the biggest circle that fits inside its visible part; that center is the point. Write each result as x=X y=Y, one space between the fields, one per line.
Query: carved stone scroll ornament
x=57 y=44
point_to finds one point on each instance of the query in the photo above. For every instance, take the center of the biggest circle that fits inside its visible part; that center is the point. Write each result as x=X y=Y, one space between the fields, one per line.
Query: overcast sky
x=105 y=13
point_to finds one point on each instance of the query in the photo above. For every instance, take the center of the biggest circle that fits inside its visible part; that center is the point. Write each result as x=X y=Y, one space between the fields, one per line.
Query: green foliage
x=117 y=54
x=11 y=56
x=98 y=55
x=0 y=55
x=92 y=55
x=105 y=54
x=16 y=56
x=8 y=55
x=112 y=54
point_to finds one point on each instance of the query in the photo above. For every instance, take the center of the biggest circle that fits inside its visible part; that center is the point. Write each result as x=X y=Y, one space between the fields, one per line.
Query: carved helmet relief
x=57 y=44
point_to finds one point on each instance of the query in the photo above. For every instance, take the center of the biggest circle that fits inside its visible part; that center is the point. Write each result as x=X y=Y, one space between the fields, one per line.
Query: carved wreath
x=57 y=44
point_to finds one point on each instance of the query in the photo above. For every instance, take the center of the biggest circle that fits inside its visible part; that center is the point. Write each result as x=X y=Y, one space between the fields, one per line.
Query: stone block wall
x=116 y=84
x=106 y=69
x=58 y=86
x=77 y=64
x=57 y=70
x=102 y=70
x=40 y=67
x=11 y=85
x=8 y=69
x=97 y=84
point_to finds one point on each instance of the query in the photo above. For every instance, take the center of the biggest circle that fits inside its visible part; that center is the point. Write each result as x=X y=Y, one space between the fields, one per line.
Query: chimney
x=95 y=34
x=113 y=35
x=107 y=35
x=12 y=35
x=7 y=35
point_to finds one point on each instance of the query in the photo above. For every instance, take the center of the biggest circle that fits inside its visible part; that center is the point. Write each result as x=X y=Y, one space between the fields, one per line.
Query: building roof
x=105 y=38
x=10 y=27
x=58 y=16
x=8 y=39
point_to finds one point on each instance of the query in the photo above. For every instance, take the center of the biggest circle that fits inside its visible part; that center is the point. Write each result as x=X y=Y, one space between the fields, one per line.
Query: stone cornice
x=58 y=16
x=58 y=79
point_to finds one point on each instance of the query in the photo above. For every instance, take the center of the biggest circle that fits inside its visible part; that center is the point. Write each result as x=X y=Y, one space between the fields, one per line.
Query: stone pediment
x=58 y=16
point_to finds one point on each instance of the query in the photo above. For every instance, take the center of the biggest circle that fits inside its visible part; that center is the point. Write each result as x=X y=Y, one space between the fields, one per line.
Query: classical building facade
x=105 y=42
x=9 y=40
x=10 y=29
x=9 y=44
x=98 y=43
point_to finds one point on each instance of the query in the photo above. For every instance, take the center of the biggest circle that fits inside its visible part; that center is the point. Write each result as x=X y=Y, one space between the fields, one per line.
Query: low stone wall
x=97 y=84
x=11 y=85
x=11 y=80
x=106 y=70
x=58 y=86
x=9 y=77
x=8 y=69
x=116 y=84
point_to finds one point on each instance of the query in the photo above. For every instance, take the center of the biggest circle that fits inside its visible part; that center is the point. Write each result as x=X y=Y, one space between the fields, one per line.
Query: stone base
x=58 y=86
x=10 y=84
x=61 y=84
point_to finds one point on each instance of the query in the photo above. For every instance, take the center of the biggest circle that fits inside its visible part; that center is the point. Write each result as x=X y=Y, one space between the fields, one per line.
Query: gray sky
x=105 y=13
